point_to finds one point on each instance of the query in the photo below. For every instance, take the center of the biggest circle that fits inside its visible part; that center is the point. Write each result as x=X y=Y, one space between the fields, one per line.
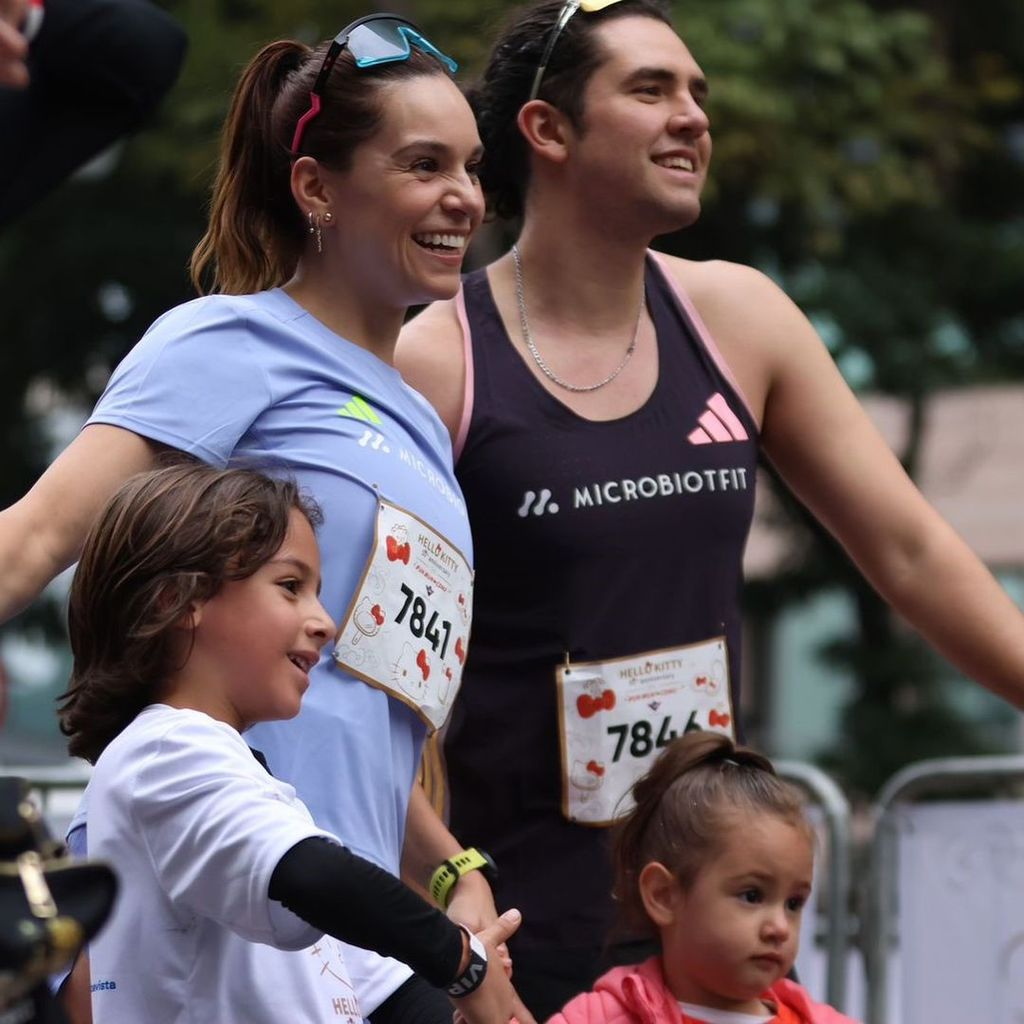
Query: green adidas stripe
x=359 y=409
x=367 y=409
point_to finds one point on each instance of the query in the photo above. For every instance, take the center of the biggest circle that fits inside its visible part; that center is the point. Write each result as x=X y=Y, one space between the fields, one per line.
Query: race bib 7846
x=616 y=716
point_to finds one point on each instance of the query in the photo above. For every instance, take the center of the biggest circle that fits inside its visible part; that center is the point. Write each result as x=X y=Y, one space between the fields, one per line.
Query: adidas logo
x=359 y=409
x=718 y=423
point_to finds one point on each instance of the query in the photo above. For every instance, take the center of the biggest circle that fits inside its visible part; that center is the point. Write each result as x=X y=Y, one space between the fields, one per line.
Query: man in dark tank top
x=607 y=406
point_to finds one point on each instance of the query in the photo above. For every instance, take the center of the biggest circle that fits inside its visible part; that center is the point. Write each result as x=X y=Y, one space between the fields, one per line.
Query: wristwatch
x=443 y=880
x=476 y=970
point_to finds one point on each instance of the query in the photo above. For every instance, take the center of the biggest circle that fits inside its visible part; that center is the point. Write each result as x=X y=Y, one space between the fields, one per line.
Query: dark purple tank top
x=592 y=539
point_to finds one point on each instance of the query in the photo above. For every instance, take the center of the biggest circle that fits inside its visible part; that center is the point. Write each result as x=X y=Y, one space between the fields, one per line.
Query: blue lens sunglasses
x=375 y=39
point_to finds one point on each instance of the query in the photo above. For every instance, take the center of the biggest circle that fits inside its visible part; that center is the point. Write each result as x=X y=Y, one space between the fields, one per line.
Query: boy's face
x=644 y=150
x=736 y=930
x=257 y=640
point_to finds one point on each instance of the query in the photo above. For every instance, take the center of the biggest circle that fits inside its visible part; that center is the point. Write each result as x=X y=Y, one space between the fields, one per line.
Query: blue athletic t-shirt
x=256 y=381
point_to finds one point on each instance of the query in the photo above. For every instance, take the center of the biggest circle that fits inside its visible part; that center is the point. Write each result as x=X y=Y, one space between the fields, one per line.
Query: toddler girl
x=716 y=859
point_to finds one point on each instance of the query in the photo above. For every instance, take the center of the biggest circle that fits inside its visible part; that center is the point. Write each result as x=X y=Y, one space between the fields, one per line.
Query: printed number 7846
x=641 y=738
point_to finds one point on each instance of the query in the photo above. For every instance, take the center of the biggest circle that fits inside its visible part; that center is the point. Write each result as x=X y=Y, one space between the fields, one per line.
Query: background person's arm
x=427 y=843
x=13 y=45
x=96 y=70
x=43 y=533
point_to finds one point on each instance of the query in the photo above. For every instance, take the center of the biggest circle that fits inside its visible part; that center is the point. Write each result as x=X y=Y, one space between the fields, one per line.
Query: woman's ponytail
x=255 y=231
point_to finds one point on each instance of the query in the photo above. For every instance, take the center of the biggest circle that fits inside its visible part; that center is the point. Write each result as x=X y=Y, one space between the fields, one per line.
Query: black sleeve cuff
x=363 y=905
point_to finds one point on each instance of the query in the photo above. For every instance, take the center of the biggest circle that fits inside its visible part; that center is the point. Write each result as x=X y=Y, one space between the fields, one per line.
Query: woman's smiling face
x=408 y=204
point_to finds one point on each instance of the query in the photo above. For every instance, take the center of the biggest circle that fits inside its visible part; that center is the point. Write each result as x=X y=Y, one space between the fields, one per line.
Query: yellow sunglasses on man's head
x=568 y=10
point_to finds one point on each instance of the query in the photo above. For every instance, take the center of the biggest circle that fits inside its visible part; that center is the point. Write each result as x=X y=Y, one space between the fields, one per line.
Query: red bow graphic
x=460 y=651
x=378 y=614
x=719 y=718
x=589 y=706
x=397 y=552
x=424 y=665
x=702 y=680
x=595 y=769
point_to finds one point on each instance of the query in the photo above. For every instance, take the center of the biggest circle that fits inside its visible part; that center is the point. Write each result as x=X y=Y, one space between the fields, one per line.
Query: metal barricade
x=969 y=849
x=828 y=797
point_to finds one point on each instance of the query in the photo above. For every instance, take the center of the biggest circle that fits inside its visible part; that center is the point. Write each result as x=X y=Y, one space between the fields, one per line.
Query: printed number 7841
x=418 y=623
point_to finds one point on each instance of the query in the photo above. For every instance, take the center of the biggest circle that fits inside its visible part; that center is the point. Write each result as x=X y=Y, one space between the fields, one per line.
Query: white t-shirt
x=194 y=826
x=710 y=1016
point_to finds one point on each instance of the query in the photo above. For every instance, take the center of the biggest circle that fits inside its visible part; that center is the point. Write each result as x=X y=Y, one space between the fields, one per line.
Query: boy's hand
x=492 y=1002
x=472 y=905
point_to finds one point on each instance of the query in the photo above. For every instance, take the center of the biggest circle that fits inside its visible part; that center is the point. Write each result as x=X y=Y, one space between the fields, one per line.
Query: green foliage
x=823 y=104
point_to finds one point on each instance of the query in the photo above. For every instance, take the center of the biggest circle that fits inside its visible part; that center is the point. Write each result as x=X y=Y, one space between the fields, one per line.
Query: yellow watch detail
x=443 y=880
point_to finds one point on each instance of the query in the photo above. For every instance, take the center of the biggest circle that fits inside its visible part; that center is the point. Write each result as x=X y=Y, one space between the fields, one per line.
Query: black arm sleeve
x=361 y=904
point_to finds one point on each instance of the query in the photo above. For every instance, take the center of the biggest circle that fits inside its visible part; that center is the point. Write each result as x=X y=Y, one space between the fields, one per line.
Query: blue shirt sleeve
x=194 y=382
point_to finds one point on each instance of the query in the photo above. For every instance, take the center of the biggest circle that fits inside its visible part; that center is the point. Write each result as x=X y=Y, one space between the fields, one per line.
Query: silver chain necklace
x=524 y=323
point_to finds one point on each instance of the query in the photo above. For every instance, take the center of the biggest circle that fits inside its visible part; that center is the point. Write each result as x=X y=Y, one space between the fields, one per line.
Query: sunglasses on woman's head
x=568 y=10
x=375 y=39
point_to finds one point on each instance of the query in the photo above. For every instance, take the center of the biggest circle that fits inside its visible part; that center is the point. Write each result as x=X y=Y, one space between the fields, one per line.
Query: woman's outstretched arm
x=42 y=534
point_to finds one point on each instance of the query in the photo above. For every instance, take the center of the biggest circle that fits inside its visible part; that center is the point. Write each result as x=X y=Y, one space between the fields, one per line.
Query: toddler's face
x=737 y=928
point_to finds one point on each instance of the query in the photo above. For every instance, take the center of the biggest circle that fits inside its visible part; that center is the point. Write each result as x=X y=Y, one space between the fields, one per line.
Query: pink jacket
x=639 y=995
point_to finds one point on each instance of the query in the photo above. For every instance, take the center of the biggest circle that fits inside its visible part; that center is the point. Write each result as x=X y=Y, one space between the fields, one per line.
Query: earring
x=314 y=229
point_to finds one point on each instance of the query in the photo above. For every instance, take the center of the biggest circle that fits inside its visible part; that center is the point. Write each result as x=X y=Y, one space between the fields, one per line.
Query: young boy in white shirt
x=194 y=613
